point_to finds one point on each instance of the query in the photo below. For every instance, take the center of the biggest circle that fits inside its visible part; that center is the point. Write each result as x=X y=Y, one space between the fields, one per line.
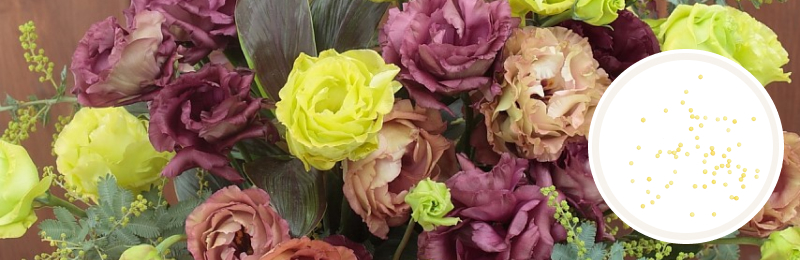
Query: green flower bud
x=430 y=203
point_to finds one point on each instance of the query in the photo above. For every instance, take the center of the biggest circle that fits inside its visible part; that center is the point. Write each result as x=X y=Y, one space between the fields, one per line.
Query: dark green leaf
x=144 y=227
x=756 y=4
x=138 y=109
x=187 y=184
x=333 y=188
x=345 y=24
x=386 y=250
x=272 y=34
x=298 y=195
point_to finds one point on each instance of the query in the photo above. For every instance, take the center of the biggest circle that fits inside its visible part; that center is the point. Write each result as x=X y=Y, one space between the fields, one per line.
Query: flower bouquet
x=355 y=129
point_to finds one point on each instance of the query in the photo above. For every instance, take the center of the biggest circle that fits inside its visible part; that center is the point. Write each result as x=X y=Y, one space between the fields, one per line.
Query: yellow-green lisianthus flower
x=728 y=32
x=782 y=245
x=19 y=186
x=333 y=105
x=430 y=203
x=102 y=141
x=141 y=252
x=520 y=8
x=598 y=12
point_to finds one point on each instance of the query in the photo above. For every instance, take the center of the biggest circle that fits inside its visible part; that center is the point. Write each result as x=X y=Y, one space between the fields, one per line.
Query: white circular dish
x=646 y=160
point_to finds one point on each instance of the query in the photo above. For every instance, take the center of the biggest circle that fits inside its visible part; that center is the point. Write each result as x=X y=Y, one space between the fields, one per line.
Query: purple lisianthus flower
x=206 y=25
x=502 y=217
x=445 y=47
x=627 y=41
x=201 y=116
x=115 y=66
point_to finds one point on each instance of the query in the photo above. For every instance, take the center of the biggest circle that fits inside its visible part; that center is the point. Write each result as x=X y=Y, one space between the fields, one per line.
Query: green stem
x=40 y=102
x=463 y=143
x=52 y=201
x=164 y=245
x=556 y=19
x=406 y=237
x=738 y=241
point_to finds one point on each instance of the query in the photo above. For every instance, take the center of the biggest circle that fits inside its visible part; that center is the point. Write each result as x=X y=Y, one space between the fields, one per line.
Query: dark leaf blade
x=297 y=195
x=187 y=184
x=346 y=24
x=272 y=34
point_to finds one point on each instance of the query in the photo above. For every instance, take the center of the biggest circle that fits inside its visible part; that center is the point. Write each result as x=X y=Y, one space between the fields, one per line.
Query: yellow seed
x=632 y=180
x=744 y=175
x=642 y=205
x=734 y=121
x=652 y=202
x=639 y=147
x=658 y=196
x=756 y=176
x=696 y=137
x=678 y=150
x=757 y=170
x=713 y=214
x=713 y=153
x=705 y=117
x=724 y=118
x=705 y=155
x=647 y=191
x=643 y=119
x=691 y=110
x=697 y=117
x=729 y=130
x=729 y=149
x=711 y=148
x=697 y=146
x=691 y=128
x=694 y=186
x=691 y=214
x=754 y=119
x=728 y=165
x=691 y=116
x=676 y=156
x=686 y=153
x=742 y=186
x=717 y=119
x=630 y=163
x=665 y=110
x=684 y=102
x=649 y=179
x=736 y=198
x=725 y=184
x=686 y=91
x=716 y=167
x=701 y=125
x=670 y=183
x=721 y=165
x=741 y=179
x=705 y=171
x=738 y=166
x=659 y=151
x=714 y=173
x=713 y=181
x=666 y=186
x=739 y=144
x=705 y=186
x=724 y=156
x=729 y=171
x=700 y=76
x=658 y=155
x=744 y=170
x=675 y=171
x=729 y=160
x=680 y=144
x=704 y=161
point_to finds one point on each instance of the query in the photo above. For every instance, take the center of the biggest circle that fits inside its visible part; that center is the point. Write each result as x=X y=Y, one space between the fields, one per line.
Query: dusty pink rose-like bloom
x=550 y=87
x=445 y=47
x=204 y=25
x=782 y=208
x=503 y=217
x=410 y=146
x=114 y=66
x=235 y=224
x=305 y=248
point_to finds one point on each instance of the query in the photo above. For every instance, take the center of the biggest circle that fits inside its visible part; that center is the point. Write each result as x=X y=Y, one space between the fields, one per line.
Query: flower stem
x=164 y=245
x=556 y=19
x=52 y=201
x=40 y=102
x=463 y=143
x=738 y=241
x=406 y=237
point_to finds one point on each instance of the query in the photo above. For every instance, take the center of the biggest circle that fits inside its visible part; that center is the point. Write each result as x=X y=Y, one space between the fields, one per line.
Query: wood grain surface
x=61 y=23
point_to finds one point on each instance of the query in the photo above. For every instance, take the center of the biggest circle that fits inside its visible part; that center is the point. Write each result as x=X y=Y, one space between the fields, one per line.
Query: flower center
x=241 y=241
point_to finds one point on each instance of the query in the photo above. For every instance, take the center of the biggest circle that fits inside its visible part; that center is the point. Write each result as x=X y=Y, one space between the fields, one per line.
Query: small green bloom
x=598 y=12
x=430 y=203
x=141 y=252
x=782 y=245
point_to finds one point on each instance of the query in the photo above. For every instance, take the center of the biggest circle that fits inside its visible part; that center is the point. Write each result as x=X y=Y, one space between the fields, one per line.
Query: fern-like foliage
x=119 y=221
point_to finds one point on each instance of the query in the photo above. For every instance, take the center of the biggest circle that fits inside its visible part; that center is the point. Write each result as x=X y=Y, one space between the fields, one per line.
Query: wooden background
x=62 y=23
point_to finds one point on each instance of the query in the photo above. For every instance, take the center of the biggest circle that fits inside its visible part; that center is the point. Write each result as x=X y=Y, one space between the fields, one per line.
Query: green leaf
x=124 y=236
x=563 y=252
x=177 y=214
x=617 y=251
x=596 y=251
x=144 y=227
x=386 y=250
x=272 y=34
x=721 y=252
x=65 y=217
x=588 y=233
x=138 y=110
x=297 y=195
x=53 y=228
x=345 y=24
x=187 y=184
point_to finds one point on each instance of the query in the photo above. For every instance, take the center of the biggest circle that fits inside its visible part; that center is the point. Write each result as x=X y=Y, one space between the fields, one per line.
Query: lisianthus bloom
x=114 y=66
x=141 y=252
x=410 y=145
x=502 y=217
x=598 y=12
x=520 y=8
x=19 y=187
x=304 y=248
x=359 y=249
x=235 y=224
x=729 y=32
x=445 y=47
x=201 y=116
x=783 y=207
x=205 y=25
x=333 y=106
x=430 y=203
x=550 y=88
x=782 y=245
x=102 y=141
x=620 y=44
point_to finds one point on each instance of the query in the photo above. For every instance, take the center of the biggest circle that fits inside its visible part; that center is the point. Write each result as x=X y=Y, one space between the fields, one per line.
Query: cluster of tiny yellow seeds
x=18 y=130
x=37 y=61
